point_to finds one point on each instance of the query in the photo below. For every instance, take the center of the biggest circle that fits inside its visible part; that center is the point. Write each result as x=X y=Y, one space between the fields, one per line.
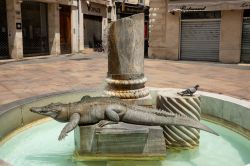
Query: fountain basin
x=39 y=146
x=226 y=111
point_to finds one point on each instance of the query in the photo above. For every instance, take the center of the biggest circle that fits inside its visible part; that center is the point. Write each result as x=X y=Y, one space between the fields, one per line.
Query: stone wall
x=163 y=31
x=15 y=36
x=54 y=29
x=230 y=39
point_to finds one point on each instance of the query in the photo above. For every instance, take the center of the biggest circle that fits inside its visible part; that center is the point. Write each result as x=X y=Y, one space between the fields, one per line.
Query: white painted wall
x=74 y=30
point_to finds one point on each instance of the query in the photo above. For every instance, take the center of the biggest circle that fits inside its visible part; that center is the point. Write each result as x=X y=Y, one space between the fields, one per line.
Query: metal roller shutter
x=92 y=31
x=245 y=44
x=200 y=39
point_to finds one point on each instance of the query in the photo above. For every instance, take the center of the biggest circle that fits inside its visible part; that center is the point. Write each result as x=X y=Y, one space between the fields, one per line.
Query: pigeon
x=189 y=91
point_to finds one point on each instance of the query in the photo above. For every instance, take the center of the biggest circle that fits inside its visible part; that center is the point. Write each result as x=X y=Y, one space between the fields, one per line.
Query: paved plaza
x=37 y=76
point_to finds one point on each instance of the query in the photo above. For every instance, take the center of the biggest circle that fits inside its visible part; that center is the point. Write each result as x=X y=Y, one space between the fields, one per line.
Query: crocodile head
x=52 y=110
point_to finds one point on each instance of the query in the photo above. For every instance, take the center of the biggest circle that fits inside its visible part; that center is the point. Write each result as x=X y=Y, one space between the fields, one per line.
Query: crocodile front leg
x=103 y=123
x=113 y=114
x=73 y=122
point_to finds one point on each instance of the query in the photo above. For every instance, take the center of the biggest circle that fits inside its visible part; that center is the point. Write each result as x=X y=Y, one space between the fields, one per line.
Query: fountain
x=30 y=139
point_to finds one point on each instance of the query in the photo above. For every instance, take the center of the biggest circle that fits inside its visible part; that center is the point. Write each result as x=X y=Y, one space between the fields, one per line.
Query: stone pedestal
x=125 y=77
x=119 y=141
x=180 y=137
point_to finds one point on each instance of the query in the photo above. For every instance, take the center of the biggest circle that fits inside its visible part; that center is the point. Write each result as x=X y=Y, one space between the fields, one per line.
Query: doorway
x=92 y=31
x=35 y=28
x=65 y=29
x=4 y=49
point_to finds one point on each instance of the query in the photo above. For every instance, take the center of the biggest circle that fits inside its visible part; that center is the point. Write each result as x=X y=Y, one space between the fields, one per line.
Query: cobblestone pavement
x=22 y=79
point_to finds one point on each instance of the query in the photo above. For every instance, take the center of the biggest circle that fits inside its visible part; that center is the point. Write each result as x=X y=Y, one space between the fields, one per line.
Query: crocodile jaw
x=43 y=111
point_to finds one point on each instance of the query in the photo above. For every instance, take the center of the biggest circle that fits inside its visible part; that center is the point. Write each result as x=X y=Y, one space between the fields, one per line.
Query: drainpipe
x=123 y=5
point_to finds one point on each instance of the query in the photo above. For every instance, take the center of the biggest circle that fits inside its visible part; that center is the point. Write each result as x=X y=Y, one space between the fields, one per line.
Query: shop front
x=35 y=28
x=213 y=30
x=200 y=36
x=4 y=49
x=92 y=31
x=95 y=22
x=38 y=27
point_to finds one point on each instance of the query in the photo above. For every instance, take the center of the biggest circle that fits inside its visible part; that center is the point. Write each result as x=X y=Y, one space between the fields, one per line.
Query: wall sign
x=190 y=8
x=213 y=6
x=94 y=10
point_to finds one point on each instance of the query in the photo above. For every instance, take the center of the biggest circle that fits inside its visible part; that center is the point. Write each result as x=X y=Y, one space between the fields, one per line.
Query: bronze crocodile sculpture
x=105 y=110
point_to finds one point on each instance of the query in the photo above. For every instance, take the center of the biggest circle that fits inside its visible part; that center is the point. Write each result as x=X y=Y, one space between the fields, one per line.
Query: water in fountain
x=39 y=146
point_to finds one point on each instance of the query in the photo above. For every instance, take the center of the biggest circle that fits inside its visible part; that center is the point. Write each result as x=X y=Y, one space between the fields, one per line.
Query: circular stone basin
x=39 y=146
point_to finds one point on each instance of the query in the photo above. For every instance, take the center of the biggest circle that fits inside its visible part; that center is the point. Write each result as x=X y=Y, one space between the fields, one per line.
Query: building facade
x=214 y=30
x=95 y=22
x=40 y=27
x=50 y=27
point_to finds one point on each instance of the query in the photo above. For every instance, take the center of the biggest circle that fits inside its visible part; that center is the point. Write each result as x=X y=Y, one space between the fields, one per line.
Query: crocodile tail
x=146 y=118
x=188 y=122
